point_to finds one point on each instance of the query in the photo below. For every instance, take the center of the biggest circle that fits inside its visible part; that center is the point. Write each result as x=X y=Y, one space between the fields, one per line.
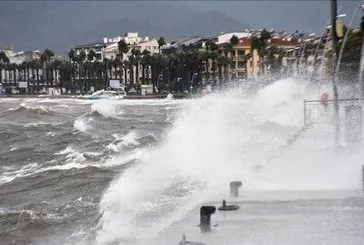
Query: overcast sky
x=61 y=25
x=307 y=16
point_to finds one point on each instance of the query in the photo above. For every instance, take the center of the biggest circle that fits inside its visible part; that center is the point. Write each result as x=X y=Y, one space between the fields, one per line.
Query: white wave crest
x=81 y=125
x=106 y=108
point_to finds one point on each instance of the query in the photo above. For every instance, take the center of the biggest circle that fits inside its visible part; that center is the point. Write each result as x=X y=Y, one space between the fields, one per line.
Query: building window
x=251 y=63
x=241 y=52
x=98 y=56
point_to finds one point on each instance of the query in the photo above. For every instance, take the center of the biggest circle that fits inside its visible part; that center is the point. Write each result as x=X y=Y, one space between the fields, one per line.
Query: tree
x=66 y=70
x=205 y=56
x=161 y=42
x=130 y=66
x=260 y=43
x=145 y=65
x=26 y=66
x=123 y=49
x=228 y=49
x=72 y=55
x=116 y=63
x=274 y=59
x=81 y=69
x=213 y=57
x=3 y=60
x=91 y=55
x=135 y=62
x=234 y=40
x=48 y=53
x=56 y=65
x=211 y=45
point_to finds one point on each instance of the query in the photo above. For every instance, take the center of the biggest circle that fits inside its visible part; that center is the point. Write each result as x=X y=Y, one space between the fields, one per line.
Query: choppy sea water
x=136 y=172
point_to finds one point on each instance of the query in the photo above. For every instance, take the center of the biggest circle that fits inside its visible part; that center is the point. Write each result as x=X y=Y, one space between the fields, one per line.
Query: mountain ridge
x=60 y=26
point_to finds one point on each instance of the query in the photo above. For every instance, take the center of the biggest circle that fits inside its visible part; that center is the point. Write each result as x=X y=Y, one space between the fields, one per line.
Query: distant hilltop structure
x=128 y=37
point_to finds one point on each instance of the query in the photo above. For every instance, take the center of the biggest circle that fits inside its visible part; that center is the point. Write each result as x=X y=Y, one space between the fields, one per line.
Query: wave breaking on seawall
x=216 y=139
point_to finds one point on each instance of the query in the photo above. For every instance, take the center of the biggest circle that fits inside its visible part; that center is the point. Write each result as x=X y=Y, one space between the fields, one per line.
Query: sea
x=110 y=172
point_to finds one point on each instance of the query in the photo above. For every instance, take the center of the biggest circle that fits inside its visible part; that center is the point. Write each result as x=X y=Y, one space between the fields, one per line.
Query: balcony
x=238 y=57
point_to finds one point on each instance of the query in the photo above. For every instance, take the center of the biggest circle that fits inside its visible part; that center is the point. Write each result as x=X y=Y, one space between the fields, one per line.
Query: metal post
x=304 y=113
x=363 y=177
x=361 y=71
x=334 y=59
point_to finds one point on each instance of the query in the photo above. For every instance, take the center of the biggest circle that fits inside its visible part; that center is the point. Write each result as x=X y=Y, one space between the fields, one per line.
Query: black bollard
x=205 y=217
x=234 y=188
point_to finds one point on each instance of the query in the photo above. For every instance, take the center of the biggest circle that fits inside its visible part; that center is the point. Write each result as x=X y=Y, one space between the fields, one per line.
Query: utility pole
x=333 y=74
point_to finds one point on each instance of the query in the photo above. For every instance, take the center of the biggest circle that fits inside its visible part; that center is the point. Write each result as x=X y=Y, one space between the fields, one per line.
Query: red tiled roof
x=275 y=41
x=285 y=41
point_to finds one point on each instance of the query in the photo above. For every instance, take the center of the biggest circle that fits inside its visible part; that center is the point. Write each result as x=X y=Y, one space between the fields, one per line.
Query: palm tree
x=56 y=65
x=3 y=60
x=124 y=65
x=260 y=43
x=66 y=70
x=81 y=71
x=228 y=49
x=73 y=58
x=213 y=57
x=72 y=55
x=91 y=55
x=137 y=58
x=90 y=68
x=45 y=58
x=205 y=56
x=37 y=66
x=144 y=62
x=106 y=67
x=220 y=62
x=115 y=63
x=123 y=49
x=131 y=68
x=12 y=67
x=27 y=65
x=48 y=53
x=234 y=40
x=161 y=42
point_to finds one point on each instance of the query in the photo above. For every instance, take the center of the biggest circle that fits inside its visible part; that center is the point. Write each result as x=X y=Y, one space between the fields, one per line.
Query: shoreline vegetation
x=186 y=68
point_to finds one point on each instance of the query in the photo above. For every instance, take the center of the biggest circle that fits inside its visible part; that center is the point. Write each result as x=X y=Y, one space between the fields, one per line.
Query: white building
x=111 y=40
x=98 y=47
x=112 y=50
x=151 y=46
x=225 y=37
x=133 y=38
x=20 y=57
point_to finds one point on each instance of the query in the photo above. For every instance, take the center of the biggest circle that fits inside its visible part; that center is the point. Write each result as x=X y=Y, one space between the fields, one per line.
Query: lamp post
x=333 y=77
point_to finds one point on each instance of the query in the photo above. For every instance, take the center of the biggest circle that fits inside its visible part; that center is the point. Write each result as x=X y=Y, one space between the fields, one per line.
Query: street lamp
x=333 y=75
